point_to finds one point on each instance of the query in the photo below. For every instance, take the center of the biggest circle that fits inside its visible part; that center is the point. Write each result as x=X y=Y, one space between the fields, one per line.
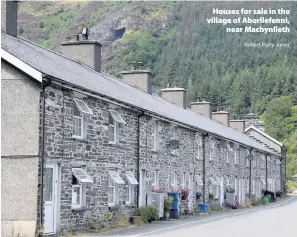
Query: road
x=274 y=220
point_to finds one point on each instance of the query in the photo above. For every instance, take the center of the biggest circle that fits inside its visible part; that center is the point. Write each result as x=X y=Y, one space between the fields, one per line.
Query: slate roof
x=58 y=66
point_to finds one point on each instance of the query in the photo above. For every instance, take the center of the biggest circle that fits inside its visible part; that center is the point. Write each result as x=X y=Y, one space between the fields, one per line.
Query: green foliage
x=148 y=213
x=167 y=204
x=291 y=185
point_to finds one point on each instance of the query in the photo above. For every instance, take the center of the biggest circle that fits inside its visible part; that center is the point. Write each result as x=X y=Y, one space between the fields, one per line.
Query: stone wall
x=97 y=157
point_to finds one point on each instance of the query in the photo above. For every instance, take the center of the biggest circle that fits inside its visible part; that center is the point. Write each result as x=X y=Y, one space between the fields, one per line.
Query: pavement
x=277 y=219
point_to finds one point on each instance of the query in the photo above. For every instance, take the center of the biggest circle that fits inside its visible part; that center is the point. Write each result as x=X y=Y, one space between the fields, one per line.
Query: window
x=199 y=145
x=130 y=187
x=214 y=187
x=211 y=148
x=229 y=150
x=172 y=180
x=263 y=182
x=114 y=121
x=236 y=187
x=79 y=178
x=114 y=179
x=77 y=122
x=174 y=136
x=236 y=156
x=227 y=181
x=82 y=106
x=199 y=180
x=247 y=185
x=155 y=138
x=227 y=155
x=247 y=162
x=111 y=192
x=254 y=187
x=154 y=180
x=262 y=161
x=182 y=184
x=79 y=109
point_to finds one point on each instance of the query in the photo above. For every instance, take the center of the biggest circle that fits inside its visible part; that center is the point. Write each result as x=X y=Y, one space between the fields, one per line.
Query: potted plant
x=167 y=206
x=184 y=193
x=148 y=213
x=136 y=218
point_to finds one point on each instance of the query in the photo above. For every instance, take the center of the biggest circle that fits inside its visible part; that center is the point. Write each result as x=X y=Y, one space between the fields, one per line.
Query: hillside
x=175 y=42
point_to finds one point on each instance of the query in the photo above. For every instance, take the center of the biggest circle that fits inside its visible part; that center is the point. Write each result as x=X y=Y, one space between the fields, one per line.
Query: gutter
x=138 y=154
x=250 y=182
x=45 y=83
x=266 y=171
x=204 y=166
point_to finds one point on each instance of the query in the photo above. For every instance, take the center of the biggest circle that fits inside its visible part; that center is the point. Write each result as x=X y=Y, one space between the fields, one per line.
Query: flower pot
x=136 y=220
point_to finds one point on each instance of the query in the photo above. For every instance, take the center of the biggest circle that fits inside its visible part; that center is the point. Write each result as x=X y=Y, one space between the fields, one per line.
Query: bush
x=167 y=204
x=148 y=213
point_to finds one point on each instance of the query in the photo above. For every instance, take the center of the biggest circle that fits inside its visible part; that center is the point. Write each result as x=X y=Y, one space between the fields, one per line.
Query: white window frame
x=227 y=155
x=82 y=106
x=80 y=184
x=211 y=148
x=183 y=180
x=79 y=118
x=227 y=181
x=113 y=125
x=198 y=180
x=172 y=180
x=155 y=137
x=132 y=183
x=174 y=136
x=247 y=162
x=112 y=184
x=154 y=175
x=235 y=156
x=80 y=204
x=199 y=145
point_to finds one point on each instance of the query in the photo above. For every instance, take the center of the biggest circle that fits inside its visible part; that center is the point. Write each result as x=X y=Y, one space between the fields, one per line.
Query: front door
x=190 y=197
x=50 y=197
x=142 y=188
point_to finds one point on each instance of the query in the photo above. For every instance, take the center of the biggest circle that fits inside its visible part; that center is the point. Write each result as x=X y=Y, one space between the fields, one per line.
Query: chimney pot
x=11 y=16
x=85 y=51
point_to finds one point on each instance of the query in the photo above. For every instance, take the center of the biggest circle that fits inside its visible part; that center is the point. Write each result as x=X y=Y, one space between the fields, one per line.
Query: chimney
x=85 y=51
x=238 y=125
x=202 y=107
x=139 y=77
x=221 y=117
x=9 y=16
x=176 y=96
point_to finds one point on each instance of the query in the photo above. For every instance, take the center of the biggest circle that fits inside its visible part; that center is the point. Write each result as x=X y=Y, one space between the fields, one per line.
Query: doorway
x=50 y=198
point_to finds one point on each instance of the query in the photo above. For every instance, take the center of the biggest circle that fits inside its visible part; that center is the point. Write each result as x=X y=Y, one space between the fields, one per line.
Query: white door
x=50 y=194
x=142 y=188
x=190 y=198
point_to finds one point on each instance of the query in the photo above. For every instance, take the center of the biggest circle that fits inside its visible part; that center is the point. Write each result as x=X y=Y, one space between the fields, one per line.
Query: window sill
x=80 y=140
x=79 y=209
x=113 y=207
x=115 y=144
x=130 y=205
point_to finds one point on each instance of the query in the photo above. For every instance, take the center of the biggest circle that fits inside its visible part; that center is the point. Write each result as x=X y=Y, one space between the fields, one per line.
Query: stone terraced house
x=102 y=144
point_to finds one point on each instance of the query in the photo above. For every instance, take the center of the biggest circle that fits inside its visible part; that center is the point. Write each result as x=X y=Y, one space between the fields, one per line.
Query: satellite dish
x=222 y=142
x=250 y=157
x=236 y=146
x=174 y=143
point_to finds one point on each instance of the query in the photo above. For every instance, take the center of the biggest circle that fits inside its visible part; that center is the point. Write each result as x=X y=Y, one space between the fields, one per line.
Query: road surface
x=274 y=220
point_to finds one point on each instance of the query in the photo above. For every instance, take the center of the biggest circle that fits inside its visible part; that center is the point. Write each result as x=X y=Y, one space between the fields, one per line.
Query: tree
x=278 y=110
